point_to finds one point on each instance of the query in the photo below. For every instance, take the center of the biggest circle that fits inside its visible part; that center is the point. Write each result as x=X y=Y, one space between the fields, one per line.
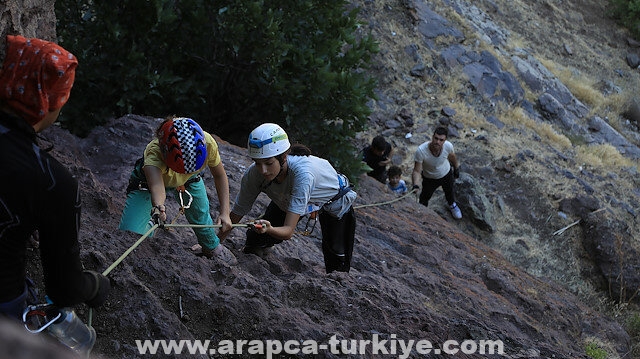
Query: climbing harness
x=312 y=219
x=345 y=187
x=137 y=180
x=181 y=190
x=311 y=222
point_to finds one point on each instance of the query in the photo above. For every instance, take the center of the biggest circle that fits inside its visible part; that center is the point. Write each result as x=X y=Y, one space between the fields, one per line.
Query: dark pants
x=430 y=185
x=337 y=237
x=337 y=240
x=272 y=214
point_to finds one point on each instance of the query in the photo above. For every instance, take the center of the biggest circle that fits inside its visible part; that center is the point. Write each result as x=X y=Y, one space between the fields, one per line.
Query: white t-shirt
x=310 y=181
x=434 y=167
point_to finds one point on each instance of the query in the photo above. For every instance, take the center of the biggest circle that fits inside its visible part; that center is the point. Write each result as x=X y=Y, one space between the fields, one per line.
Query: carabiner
x=182 y=205
x=39 y=310
x=308 y=231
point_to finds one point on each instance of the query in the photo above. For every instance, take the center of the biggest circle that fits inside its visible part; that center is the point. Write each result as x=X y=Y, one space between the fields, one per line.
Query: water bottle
x=73 y=333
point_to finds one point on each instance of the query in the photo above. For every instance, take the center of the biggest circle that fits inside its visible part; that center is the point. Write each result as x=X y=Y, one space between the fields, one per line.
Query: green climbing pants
x=136 y=216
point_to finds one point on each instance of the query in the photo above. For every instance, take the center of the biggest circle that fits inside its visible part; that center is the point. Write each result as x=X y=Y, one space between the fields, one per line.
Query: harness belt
x=345 y=188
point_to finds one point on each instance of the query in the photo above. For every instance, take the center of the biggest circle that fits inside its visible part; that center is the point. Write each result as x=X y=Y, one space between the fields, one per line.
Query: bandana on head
x=36 y=77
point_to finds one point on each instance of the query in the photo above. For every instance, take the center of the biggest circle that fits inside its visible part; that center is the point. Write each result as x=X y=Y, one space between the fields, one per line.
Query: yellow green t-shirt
x=171 y=178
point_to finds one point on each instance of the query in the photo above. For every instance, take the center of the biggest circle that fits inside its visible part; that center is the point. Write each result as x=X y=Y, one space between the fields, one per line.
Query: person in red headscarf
x=36 y=192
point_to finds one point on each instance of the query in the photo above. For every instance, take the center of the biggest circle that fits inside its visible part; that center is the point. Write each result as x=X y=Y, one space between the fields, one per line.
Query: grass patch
x=632 y=325
x=581 y=86
x=515 y=116
x=467 y=115
x=605 y=157
x=454 y=85
x=585 y=89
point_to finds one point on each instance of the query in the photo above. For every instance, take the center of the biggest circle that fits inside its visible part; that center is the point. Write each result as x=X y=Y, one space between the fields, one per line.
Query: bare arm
x=417 y=173
x=453 y=160
x=285 y=232
x=235 y=218
x=222 y=189
x=156 y=188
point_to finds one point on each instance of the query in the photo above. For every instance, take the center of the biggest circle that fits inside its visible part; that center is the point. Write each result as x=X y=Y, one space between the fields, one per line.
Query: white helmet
x=267 y=140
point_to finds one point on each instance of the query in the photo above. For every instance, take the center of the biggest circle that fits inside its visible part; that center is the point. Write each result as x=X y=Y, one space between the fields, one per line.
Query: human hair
x=394 y=171
x=441 y=130
x=299 y=149
x=379 y=143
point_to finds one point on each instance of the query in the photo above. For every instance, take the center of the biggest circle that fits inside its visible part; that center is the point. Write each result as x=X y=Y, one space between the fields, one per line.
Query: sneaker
x=455 y=211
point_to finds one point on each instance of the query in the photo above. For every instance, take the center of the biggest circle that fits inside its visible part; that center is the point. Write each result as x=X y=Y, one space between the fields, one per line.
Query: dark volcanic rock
x=413 y=274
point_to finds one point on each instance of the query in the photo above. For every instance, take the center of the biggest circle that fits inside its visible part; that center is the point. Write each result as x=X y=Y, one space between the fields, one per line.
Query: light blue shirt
x=310 y=180
x=400 y=188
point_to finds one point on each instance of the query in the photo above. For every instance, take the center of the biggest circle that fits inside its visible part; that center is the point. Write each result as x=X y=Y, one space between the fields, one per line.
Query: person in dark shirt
x=378 y=157
x=36 y=192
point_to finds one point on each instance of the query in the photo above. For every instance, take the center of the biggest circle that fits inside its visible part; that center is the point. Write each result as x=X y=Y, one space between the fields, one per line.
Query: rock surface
x=414 y=274
x=504 y=272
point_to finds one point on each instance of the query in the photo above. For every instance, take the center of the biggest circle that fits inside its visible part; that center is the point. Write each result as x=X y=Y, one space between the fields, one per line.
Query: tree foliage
x=627 y=12
x=230 y=65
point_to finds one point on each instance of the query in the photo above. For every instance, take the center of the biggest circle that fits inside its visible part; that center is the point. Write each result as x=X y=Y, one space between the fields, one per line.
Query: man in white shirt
x=436 y=163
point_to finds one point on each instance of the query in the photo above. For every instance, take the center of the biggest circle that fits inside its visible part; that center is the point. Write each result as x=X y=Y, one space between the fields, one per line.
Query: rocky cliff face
x=34 y=18
x=545 y=239
x=415 y=274
x=527 y=90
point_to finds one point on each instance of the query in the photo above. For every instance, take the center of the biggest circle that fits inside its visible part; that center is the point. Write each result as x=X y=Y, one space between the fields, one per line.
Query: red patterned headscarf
x=36 y=77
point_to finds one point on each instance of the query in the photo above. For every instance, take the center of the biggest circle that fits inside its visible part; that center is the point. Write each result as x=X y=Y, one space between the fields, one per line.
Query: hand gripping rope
x=155 y=226
x=172 y=225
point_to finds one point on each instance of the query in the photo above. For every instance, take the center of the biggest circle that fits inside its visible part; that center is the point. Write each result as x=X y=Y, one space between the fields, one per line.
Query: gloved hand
x=456 y=172
x=102 y=287
x=415 y=186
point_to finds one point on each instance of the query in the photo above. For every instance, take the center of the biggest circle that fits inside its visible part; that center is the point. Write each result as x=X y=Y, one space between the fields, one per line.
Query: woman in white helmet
x=294 y=182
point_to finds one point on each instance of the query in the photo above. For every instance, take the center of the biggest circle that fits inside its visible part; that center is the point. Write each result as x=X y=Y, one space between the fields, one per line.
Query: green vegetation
x=632 y=325
x=627 y=12
x=230 y=65
x=594 y=351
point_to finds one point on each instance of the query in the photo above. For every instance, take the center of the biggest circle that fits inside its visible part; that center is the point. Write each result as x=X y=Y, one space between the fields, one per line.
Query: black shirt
x=37 y=192
x=372 y=160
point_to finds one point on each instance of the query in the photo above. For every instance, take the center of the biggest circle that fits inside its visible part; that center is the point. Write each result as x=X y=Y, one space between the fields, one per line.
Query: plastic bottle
x=73 y=333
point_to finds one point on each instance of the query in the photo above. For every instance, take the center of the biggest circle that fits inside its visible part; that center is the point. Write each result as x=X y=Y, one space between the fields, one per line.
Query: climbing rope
x=124 y=255
x=145 y=236
x=174 y=225
x=387 y=202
